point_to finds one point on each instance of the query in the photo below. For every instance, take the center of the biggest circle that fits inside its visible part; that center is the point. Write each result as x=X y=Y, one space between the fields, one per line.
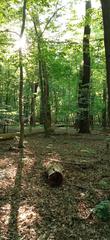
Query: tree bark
x=104 y=113
x=56 y=107
x=21 y=117
x=21 y=105
x=106 y=24
x=47 y=112
x=34 y=87
x=42 y=114
x=84 y=91
x=44 y=83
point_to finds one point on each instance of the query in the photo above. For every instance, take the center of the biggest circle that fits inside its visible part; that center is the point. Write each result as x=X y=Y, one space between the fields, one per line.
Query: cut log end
x=55 y=179
x=54 y=173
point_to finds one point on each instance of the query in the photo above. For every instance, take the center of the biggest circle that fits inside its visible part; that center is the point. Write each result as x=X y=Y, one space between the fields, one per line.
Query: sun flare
x=20 y=43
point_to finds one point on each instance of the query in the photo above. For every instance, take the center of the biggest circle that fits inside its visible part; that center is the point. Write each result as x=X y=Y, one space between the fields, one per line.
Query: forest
x=55 y=120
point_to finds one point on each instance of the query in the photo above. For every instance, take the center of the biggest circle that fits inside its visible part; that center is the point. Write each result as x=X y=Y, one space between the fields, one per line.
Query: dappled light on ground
x=52 y=157
x=32 y=209
x=4 y=218
x=7 y=177
x=28 y=164
x=27 y=220
x=83 y=210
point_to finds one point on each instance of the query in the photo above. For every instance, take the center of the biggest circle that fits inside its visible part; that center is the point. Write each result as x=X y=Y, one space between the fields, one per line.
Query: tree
x=54 y=63
x=106 y=24
x=84 y=87
x=104 y=113
x=34 y=87
x=43 y=78
x=21 y=117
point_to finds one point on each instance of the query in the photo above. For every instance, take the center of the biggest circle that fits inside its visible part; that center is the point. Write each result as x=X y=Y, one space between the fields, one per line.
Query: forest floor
x=33 y=210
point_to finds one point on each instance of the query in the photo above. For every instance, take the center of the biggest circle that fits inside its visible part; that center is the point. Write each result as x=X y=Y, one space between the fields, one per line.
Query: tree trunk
x=106 y=24
x=7 y=96
x=104 y=114
x=84 y=90
x=44 y=83
x=21 y=105
x=45 y=115
x=34 y=87
x=44 y=86
x=56 y=107
x=42 y=114
x=47 y=112
x=21 y=117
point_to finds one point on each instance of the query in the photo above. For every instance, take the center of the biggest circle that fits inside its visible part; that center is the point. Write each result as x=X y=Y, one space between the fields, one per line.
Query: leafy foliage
x=63 y=55
x=102 y=210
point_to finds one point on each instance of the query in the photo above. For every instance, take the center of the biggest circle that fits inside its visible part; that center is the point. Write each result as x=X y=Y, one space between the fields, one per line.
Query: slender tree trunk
x=42 y=114
x=34 y=87
x=7 y=97
x=85 y=81
x=21 y=105
x=106 y=23
x=47 y=112
x=56 y=107
x=104 y=113
x=21 y=108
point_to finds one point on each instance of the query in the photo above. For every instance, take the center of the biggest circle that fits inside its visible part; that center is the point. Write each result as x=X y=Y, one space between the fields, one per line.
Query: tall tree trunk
x=104 y=114
x=44 y=83
x=7 y=97
x=56 y=107
x=21 y=108
x=34 y=87
x=84 y=97
x=106 y=23
x=47 y=112
x=21 y=105
x=45 y=115
x=42 y=114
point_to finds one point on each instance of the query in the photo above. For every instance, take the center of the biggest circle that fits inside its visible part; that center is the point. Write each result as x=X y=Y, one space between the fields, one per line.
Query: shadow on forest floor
x=31 y=209
x=15 y=200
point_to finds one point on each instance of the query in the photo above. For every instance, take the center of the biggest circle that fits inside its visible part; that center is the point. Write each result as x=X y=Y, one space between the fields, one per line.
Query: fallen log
x=8 y=136
x=54 y=174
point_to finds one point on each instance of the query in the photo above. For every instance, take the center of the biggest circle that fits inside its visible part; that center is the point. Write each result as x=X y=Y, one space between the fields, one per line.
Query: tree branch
x=53 y=15
x=23 y=19
x=40 y=33
x=9 y=31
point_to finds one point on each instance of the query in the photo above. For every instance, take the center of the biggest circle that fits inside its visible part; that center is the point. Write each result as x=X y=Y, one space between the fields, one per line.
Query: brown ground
x=32 y=210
